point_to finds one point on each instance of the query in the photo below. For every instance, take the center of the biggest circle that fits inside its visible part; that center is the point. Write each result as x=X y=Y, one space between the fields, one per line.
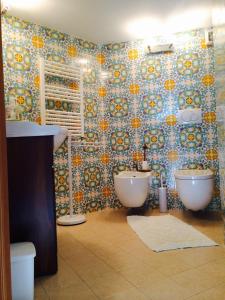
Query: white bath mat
x=161 y=233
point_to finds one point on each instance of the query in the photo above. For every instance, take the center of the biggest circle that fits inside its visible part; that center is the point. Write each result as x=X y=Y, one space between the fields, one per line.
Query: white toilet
x=132 y=187
x=195 y=187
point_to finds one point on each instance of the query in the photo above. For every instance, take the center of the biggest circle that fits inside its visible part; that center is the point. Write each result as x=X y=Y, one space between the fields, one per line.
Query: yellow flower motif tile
x=133 y=54
x=78 y=196
x=37 y=81
x=106 y=191
x=73 y=86
x=102 y=92
x=208 y=80
x=171 y=120
x=169 y=84
x=211 y=154
x=104 y=125
x=134 y=89
x=100 y=58
x=173 y=155
x=135 y=123
x=72 y=51
x=209 y=117
x=137 y=156
x=105 y=158
x=37 y=41
x=77 y=160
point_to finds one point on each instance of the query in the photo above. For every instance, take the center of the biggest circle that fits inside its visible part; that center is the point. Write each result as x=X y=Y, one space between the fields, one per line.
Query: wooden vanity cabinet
x=32 y=198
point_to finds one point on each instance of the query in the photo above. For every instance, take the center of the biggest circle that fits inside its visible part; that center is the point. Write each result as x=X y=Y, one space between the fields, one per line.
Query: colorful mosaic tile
x=154 y=139
x=87 y=45
x=90 y=77
x=118 y=107
x=55 y=35
x=115 y=46
x=189 y=99
x=18 y=58
x=191 y=137
x=90 y=137
x=117 y=73
x=152 y=104
x=16 y=23
x=136 y=105
x=188 y=64
x=120 y=140
x=150 y=69
x=90 y=108
x=92 y=177
x=21 y=97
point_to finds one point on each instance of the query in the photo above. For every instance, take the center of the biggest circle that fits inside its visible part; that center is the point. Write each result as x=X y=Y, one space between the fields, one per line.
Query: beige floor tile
x=216 y=293
x=88 y=272
x=173 y=267
x=195 y=257
x=39 y=292
x=122 y=261
x=109 y=284
x=63 y=278
x=76 y=292
x=142 y=275
x=132 y=294
x=197 y=280
x=104 y=259
x=165 y=289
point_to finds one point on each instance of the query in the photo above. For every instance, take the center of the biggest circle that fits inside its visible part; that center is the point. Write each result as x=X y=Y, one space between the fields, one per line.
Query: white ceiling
x=103 y=21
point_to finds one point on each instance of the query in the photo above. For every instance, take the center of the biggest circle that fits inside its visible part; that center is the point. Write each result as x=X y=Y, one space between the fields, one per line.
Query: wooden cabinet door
x=32 y=198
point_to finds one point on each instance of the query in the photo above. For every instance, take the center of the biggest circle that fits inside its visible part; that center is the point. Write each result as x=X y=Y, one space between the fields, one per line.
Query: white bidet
x=132 y=187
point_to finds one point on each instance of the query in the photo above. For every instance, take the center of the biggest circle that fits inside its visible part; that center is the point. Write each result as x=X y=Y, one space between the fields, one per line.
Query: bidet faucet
x=135 y=166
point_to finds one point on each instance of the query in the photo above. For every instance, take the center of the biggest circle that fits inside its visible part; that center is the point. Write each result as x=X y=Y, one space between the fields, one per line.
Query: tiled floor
x=104 y=259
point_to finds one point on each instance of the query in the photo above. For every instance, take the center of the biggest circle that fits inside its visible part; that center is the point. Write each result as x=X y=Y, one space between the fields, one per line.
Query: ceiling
x=103 y=21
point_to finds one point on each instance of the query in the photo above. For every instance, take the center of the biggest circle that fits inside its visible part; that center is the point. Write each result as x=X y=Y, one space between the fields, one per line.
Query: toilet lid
x=193 y=174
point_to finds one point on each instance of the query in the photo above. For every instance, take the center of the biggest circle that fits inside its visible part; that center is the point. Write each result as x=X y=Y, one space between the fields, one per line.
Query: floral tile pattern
x=191 y=137
x=152 y=104
x=220 y=101
x=18 y=58
x=118 y=107
x=135 y=104
x=189 y=99
x=188 y=64
x=154 y=139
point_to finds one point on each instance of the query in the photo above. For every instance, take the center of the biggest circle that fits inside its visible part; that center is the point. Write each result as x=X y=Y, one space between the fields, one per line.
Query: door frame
x=5 y=276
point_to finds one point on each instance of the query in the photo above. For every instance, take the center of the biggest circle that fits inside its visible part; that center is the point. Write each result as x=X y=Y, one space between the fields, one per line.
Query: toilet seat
x=193 y=174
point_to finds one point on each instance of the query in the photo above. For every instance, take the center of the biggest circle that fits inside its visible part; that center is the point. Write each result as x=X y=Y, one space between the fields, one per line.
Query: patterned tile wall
x=23 y=44
x=220 y=98
x=142 y=96
x=131 y=99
